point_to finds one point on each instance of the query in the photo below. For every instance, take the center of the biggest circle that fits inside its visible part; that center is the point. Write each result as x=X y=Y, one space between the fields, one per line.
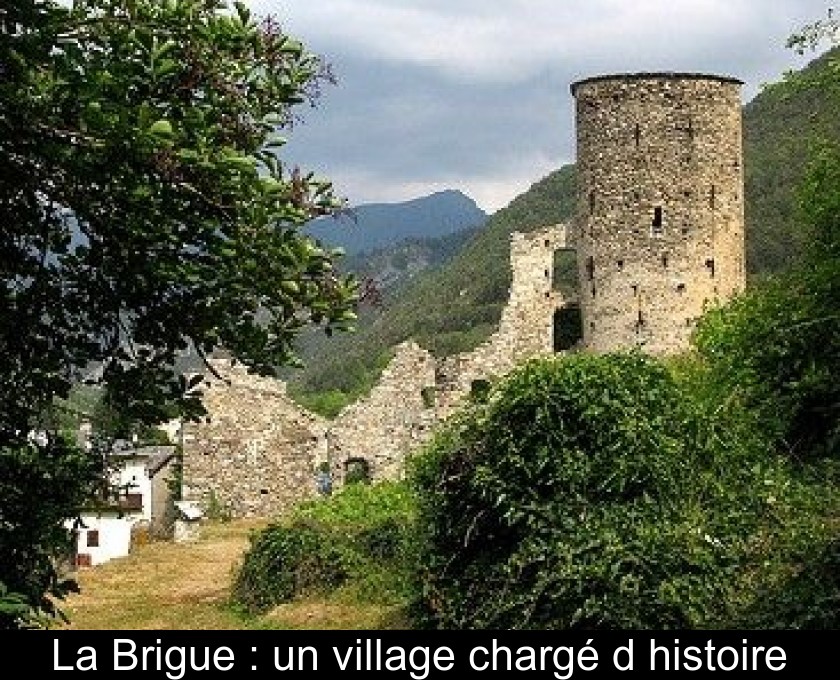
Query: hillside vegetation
x=781 y=128
x=447 y=310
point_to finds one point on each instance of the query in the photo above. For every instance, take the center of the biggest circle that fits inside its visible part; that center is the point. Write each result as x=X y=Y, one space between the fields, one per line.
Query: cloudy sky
x=474 y=94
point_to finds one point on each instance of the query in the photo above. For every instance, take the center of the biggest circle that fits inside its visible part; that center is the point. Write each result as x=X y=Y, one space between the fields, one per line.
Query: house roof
x=159 y=456
x=156 y=457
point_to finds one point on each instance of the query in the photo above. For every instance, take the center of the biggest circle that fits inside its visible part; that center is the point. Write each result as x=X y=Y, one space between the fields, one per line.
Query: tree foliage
x=145 y=210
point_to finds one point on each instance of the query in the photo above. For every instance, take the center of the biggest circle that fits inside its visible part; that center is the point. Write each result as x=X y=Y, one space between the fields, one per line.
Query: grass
x=168 y=586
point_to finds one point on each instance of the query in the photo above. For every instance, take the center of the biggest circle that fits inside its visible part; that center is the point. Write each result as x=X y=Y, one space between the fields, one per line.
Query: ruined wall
x=256 y=451
x=526 y=329
x=659 y=235
x=395 y=419
x=660 y=225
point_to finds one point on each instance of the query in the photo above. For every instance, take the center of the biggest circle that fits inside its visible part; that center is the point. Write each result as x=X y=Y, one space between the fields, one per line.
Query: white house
x=141 y=497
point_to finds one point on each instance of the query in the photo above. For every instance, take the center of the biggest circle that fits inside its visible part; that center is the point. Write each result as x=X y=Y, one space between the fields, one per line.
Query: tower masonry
x=659 y=232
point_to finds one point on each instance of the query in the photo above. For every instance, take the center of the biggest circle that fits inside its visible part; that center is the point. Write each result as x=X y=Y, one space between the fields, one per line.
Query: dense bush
x=591 y=491
x=359 y=538
x=777 y=348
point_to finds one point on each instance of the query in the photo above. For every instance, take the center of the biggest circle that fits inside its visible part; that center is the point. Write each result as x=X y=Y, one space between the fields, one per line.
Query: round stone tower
x=660 y=224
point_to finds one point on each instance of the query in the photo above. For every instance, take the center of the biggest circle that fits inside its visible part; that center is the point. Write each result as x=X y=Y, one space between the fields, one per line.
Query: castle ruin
x=659 y=236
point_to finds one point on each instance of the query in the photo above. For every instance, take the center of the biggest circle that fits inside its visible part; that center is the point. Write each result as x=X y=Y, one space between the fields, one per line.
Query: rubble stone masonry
x=660 y=223
x=253 y=454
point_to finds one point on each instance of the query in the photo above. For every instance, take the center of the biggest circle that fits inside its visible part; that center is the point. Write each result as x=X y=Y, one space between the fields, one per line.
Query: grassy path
x=165 y=585
x=168 y=586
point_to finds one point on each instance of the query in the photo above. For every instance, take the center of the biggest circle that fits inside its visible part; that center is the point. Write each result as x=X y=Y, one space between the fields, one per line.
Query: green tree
x=146 y=213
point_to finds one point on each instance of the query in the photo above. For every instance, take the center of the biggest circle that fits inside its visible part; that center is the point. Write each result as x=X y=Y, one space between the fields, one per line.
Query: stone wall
x=395 y=419
x=526 y=328
x=660 y=224
x=256 y=451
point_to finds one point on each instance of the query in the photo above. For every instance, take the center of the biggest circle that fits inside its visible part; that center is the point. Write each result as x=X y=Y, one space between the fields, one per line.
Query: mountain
x=397 y=264
x=378 y=225
x=781 y=131
x=455 y=307
x=449 y=309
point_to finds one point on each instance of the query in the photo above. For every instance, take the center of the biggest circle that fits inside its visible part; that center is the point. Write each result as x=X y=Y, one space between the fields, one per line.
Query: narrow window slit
x=656 y=224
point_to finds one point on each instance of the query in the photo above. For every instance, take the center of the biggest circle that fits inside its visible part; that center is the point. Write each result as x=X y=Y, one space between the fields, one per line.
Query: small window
x=93 y=538
x=665 y=261
x=690 y=129
x=263 y=492
x=620 y=264
x=712 y=196
x=681 y=288
x=591 y=202
x=635 y=289
x=357 y=471
x=479 y=390
x=593 y=290
x=547 y=243
x=590 y=267
x=637 y=134
x=710 y=265
x=656 y=227
x=640 y=322
x=547 y=274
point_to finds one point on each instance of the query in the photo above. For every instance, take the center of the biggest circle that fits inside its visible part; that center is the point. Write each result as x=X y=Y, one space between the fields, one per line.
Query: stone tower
x=660 y=223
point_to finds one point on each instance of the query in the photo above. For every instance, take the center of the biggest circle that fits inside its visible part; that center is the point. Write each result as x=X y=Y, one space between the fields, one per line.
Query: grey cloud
x=395 y=124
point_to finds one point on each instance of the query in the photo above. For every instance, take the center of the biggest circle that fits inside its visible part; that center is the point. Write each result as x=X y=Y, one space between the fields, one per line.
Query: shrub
x=776 y=347
x=359 y=538
x=589 y=491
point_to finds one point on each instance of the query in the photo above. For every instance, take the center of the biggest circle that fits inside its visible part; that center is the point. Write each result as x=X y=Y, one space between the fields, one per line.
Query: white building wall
x=114 y=537
x=132 y=477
